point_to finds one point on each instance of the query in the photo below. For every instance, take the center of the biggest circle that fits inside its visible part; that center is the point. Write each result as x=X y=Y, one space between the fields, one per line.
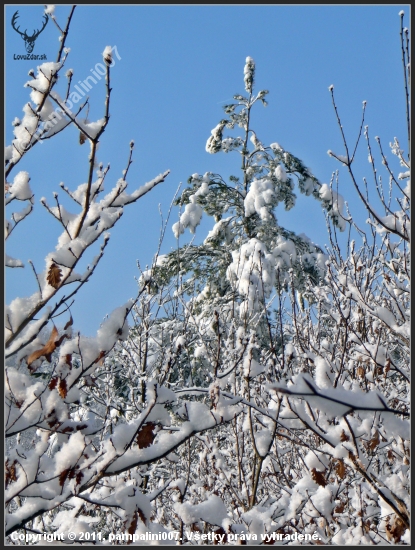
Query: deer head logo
x=29 y=41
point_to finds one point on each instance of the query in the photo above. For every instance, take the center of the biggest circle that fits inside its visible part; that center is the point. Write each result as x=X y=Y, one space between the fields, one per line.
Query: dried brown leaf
x=145 y=436
x=52 y=418
x=68 y=429
x=318 y=477
x=141 y=515
x=10 y=474
x=62 y=389
x=100 y=358
x=340 y=469
x=344 y=436
x=78 y=478
x=47 y=350
x=63 y=475
x=396 y=529
x=69 y=323
x=52 y=422
x=68 y=360
x=374 y=442
x=339 y=508
x=360 y=371
x=81 y=426
x=54 y=276
x=53 y=383
x=133 y=526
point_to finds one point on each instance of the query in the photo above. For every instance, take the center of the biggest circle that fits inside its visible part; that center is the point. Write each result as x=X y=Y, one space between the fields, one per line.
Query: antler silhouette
x=37 y=32
x=29 y=40
x=15 y=16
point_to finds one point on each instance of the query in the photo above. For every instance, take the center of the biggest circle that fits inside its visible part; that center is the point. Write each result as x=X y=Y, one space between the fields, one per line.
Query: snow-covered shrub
x=311 y=349
x=262 y=390
x=54 y=427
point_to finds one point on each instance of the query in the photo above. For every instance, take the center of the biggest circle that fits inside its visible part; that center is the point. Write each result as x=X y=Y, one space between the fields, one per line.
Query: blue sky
x=179 y=65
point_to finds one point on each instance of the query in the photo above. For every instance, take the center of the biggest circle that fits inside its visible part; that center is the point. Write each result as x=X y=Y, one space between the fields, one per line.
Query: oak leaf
x=340 y=469
x=47 y=349
x=145 y=436
x=10 y=472
x=63 y=475
x=54 y=275
x=318 y=477
x=62 y=389
x=53 y=383
x=133 y=525
x=339 y=508
x=374 y=442
x=396 y=530
x=360 y=372
x=344 y=436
